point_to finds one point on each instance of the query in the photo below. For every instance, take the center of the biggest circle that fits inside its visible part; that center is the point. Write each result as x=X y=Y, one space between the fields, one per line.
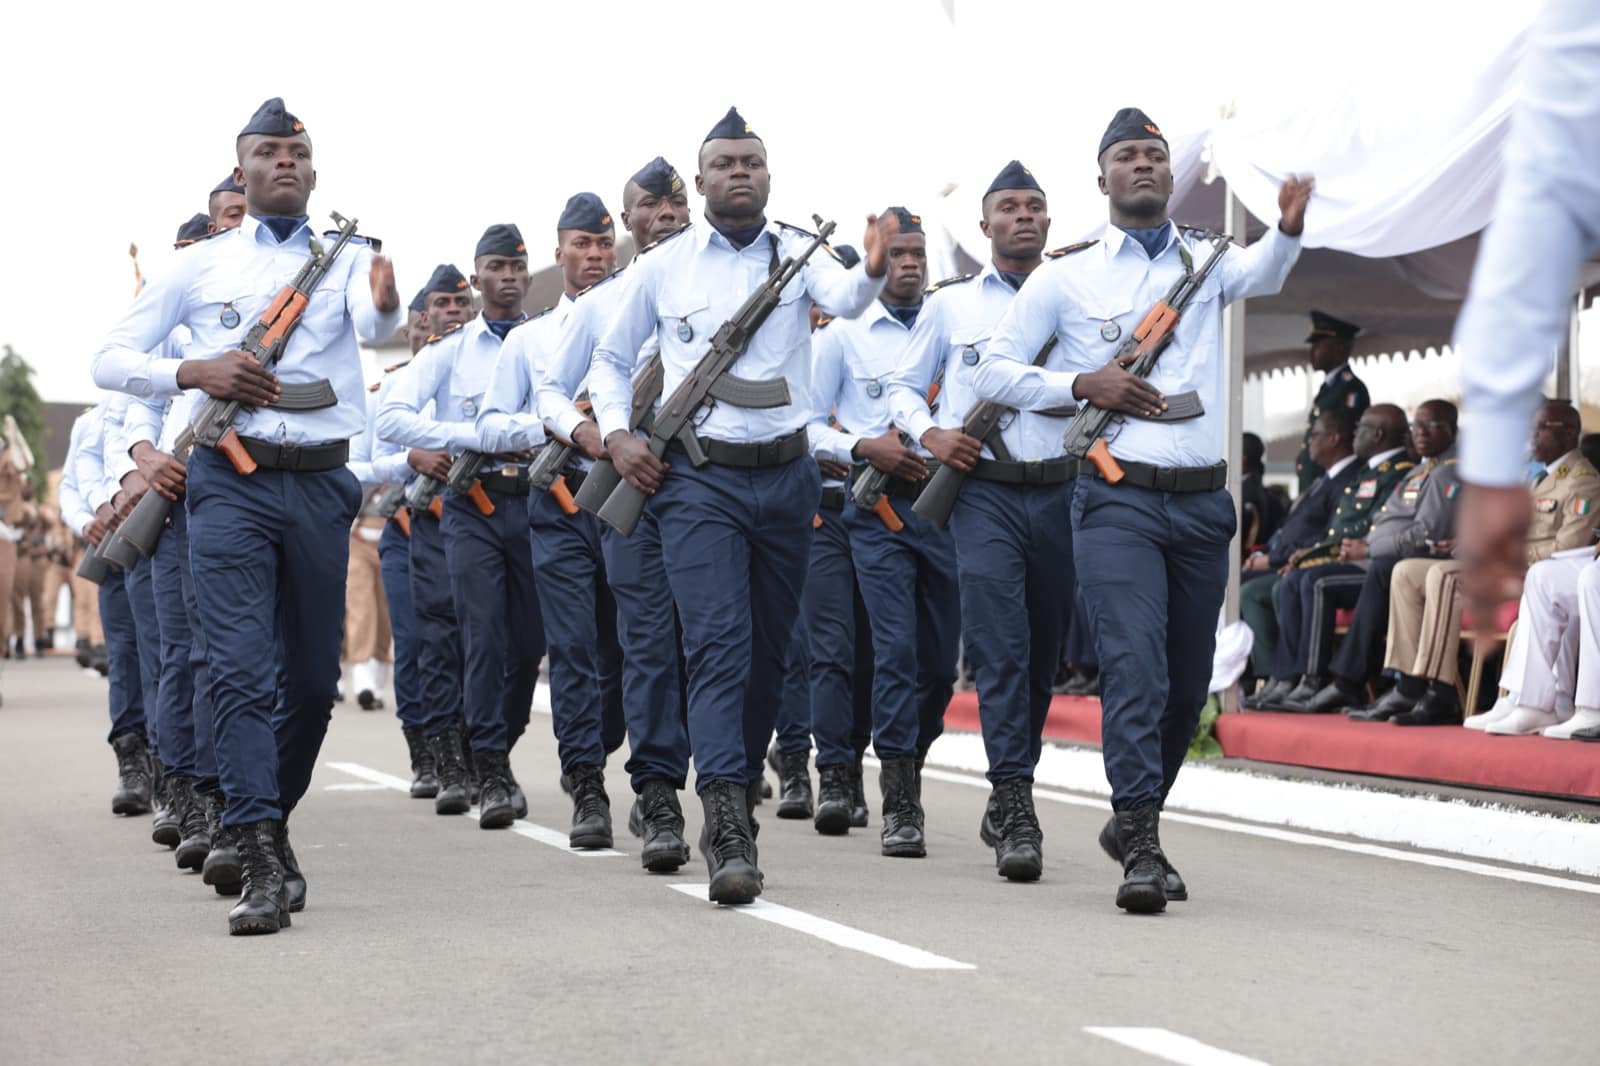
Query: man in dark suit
x=1332 y=448
x=1331 y=340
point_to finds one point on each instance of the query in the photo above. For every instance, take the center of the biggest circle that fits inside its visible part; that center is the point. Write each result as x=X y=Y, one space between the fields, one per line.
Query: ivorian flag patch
x=1451 y=490
x=1581 y=506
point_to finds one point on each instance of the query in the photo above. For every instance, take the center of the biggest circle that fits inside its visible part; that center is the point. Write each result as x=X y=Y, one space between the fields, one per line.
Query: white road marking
x=839 y=935
x=356 y=786
x=1174 y=1047
x=1288 y=836
x=521 y=827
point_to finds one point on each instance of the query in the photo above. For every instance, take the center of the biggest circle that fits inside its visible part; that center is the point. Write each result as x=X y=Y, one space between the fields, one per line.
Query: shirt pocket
x=968 y=345
x=223 y=312
x=1097 y=332
x=685 y=325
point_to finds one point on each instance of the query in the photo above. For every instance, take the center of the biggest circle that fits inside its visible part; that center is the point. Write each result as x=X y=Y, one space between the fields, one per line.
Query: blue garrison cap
x=658 y=178
x=196 y=227
x=1129 y=124
x=272 y=120
x=227 y=184
x=909 y=223
x=585 y=212
x=1325 y=325
x=1013 y=176
x=732 y=127
x=445 y=278
x=847 y=255
x=502 y=238
x=419 y=302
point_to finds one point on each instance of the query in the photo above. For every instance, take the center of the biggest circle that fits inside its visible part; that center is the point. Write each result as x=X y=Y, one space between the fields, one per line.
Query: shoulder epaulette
x=957 y=280
x=435 y=338
x=1061 y=253
x=357 y=238
x=608 y=277
x=535 y=316
x=658 y=243
x=823 y=322
x=392 y=367
x=375 y=386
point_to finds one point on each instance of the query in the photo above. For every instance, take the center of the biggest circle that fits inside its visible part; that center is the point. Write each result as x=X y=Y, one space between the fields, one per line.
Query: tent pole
x=1569 y=369
x=1233 y=326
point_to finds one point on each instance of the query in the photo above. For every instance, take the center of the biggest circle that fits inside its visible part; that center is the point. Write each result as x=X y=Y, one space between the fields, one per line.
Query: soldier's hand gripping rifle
x=1084 y=438
x=212 y=423
x=602 y=479
x=423 y=492
x=710 y=380
x=544 y=475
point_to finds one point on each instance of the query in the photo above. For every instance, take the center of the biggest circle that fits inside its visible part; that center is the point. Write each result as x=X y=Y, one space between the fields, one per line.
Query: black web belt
x=1168 y=478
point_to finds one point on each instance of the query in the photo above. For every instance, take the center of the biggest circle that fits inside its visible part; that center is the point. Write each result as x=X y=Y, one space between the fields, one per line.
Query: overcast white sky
x=431 y=121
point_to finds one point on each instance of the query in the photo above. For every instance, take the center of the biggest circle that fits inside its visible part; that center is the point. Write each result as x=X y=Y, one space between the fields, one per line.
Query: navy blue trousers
x=1014 y=557
x=1153 y=567
x=653 y=682
x=147 y=642
x=175 y=726
x=269 y=553
x=122 y=648
x=1308 y=600
x=838 y=652
x=580 y=628
x=908 y=582
x=497 y=606
x=737 y=543
x=1079 y=650
x=439 y=680
x=176 y=541
x=394 y=569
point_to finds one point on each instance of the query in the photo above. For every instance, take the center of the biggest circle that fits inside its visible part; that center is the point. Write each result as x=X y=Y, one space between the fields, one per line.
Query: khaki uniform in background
x=1425 y=602
x=58 y=550
x=27 y=589
x=366 y=617
x=11 y=514
x=85 y=601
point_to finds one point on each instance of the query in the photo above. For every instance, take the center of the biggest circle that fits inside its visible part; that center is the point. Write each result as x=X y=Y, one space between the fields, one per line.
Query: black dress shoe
x=1432 y=709
x=1335 y=697
x=1298 y=699
x=1111 y=844
x=1275 y=688
x=1393 y=704
x=1592 y=733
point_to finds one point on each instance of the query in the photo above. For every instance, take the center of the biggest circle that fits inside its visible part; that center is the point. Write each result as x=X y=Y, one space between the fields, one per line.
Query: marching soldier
x=1152 y=549
x=655 y=206
x=486 y=533
x=1012 y=521
x=736 y=531
x=269 y=550
x=577 y=607
x=906 y=569
x=1331 y=340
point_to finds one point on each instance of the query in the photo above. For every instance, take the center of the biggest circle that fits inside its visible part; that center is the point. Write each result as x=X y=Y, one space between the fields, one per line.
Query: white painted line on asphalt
x=1287 y=836
x=1174 y=1047
x=839 y=935
x=521 y=827
x=356 y=786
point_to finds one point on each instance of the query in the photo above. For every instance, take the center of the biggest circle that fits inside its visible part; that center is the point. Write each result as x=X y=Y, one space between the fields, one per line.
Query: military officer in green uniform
x=1331 y=340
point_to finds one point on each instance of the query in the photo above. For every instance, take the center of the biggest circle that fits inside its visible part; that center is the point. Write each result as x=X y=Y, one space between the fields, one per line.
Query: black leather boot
x=473 y=777
x=195 y=844
x=989 y=824
x=1111 y=844
x=494 y=790
x=221 y=869
x=165 y=827
x=833 y=800
x=902 y=811
x=264 y=905
x=591 y=808
x=661 y=827
x=1144 y=874
x=424 y=777
x=1019 y=853
x=794 y=784
x=519 y=799
x=452 y=797
x=133 y=775
x=294 y=882
x=727 y=843
x=858 y=797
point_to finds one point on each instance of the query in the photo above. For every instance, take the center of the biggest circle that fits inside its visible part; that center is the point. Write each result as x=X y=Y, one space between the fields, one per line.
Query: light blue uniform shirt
x=507 y=421
x=852 y=362
x=1116 y=282
x=451 y=374
x=377 y=462
x=685 y=289
x=218 y=287
x=947 y=343
x=75 y=509
x=1546 y=223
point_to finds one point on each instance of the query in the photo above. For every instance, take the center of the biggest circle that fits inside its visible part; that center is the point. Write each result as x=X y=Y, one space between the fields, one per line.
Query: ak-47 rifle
x=710 y=380
x=602 y=479
x=1084 y=438
x=423 y=492
x=544 y=473
x=212 y=422
x=868 y=491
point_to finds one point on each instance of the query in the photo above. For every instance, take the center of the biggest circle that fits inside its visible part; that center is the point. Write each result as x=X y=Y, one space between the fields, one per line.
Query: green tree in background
x=20 y=400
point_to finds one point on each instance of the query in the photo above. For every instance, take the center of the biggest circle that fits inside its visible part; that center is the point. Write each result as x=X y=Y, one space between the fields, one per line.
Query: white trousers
x=1554 y=662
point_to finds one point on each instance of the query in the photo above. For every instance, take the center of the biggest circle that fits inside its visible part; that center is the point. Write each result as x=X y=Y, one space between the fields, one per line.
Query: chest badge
x=1109 y=330
x=229 y=316
x=969 y=355
x=685 y=331
x=874 y=389
x=469 y=407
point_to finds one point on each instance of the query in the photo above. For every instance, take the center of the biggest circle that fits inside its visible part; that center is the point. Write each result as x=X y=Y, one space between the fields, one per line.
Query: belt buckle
x=1166 y=479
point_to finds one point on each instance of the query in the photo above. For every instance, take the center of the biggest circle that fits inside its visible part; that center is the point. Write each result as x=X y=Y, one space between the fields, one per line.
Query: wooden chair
x=1505 y=627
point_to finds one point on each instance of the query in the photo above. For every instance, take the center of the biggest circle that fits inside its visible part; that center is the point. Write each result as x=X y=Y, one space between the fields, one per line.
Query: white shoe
x=1582 y=718
x=1502 y=708
x=1521 y=722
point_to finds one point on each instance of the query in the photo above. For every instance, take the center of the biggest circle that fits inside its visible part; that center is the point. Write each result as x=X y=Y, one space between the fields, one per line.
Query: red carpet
x=1445 y=754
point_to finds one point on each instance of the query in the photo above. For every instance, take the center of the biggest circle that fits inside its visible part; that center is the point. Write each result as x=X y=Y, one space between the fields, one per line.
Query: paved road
x=429 y=940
